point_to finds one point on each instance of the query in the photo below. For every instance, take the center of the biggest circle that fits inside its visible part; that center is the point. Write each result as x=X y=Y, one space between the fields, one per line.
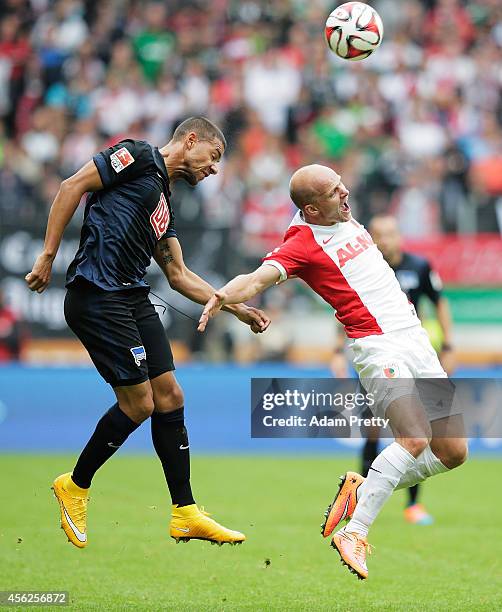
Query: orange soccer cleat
x=344 y=504
x=352 y=549
x=416 y=514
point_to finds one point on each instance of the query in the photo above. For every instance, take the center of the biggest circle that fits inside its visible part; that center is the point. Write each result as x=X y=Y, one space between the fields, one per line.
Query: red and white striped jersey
x=343 y=265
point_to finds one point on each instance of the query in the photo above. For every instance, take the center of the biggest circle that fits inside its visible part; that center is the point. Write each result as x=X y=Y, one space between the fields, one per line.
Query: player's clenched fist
x=257 y=320
x=40 y=276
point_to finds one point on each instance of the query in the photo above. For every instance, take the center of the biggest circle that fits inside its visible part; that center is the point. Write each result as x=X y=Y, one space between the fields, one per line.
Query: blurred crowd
x=415 y=129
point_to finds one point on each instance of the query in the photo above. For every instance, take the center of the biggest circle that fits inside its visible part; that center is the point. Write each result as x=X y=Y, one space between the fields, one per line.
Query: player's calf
x=452 y=452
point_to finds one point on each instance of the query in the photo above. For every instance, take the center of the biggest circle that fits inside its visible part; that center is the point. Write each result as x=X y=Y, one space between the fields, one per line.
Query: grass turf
x=131 y=563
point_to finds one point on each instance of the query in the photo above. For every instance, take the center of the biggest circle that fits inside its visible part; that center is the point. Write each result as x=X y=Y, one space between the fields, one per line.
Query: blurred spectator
x=154 y=42
x=271 y=86
x=454 y=189
x=11 y=335
x=416 y=199
x=276 y=345
x=40 y=142
x=163 y=106
x=195 y=88
x=267 y=212
x=14 y=52
x=85 y=65
x=117 y=105
x=449 y=18
x=75 y=76
x=79 y=146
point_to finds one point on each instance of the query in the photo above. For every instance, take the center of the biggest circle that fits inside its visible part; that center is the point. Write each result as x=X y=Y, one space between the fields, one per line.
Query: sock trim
x=121 y=420
x=398 y=457
x=176 y=417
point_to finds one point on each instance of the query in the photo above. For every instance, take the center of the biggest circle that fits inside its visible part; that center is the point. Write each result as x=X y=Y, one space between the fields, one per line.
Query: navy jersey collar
x=161 y=166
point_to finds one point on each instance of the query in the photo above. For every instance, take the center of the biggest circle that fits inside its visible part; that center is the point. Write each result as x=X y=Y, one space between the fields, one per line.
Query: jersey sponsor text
x=160 y=217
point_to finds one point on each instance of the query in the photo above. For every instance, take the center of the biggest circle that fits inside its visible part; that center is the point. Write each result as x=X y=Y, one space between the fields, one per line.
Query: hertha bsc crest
x=139 y=353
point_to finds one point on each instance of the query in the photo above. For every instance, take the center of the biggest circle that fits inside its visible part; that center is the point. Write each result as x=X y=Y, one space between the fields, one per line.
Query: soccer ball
x=354 y=30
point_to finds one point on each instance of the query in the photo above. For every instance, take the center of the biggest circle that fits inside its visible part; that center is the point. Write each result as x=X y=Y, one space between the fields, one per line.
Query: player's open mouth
x=344 y=207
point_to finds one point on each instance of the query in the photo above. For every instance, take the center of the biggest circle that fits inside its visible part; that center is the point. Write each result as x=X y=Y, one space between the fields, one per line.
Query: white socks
x=426 y=464
x=385 y=474
x=394 y=468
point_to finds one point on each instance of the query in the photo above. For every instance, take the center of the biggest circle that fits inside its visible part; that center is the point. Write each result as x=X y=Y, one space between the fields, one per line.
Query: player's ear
x=190 y=140
x=311 y=209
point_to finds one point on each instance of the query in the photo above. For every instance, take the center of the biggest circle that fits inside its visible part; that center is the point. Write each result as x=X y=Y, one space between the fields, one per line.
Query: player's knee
x=414 y=445
x=137 y=405
x=171 y=399
x=145 y=408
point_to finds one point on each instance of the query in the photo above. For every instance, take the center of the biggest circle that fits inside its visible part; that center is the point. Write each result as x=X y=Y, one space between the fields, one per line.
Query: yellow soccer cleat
x=73 y=506
x=344 y=504
x=352 y=549
x=191 y=523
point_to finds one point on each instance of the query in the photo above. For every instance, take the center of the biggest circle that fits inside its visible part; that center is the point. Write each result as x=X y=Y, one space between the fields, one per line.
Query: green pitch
x=131 y=563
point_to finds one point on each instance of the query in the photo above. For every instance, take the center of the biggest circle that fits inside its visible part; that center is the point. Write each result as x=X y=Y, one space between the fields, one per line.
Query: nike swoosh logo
x=113 y=445
x=345 y=510
x=81 y=537
x=184 y=447
x=326 y=241
x=372 y=468
x=185 y=529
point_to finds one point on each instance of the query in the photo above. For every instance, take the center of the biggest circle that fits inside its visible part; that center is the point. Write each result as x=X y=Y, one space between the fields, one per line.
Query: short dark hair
x=382 y=215
x=204 y=128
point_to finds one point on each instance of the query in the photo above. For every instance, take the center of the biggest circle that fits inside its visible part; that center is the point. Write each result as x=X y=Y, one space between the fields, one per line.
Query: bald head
x=321 y=196
x=309 y=183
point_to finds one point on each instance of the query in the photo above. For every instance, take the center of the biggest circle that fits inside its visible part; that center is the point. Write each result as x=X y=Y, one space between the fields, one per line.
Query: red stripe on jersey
x=326 y=279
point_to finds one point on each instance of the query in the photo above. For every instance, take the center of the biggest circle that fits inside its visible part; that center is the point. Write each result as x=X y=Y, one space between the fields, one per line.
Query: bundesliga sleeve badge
x=121 y=159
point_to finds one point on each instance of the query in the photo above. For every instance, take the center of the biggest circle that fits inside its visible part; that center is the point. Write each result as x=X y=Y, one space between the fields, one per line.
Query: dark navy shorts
x=121 y=331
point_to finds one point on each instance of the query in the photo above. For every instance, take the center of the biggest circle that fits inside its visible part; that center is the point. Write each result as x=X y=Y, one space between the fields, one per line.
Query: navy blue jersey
x=124 y=221
x=418 y=279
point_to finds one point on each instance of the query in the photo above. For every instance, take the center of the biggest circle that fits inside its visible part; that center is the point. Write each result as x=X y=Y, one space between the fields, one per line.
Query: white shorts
x=388 y=365
x=404 y=353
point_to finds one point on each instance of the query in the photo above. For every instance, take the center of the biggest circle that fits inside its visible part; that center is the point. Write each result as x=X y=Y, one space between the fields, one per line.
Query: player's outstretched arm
x=62 y=210
x=240 y=289
x=169 y=257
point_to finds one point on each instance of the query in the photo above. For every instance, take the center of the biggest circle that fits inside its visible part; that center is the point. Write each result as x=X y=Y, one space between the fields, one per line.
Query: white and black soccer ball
x=354 y=30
